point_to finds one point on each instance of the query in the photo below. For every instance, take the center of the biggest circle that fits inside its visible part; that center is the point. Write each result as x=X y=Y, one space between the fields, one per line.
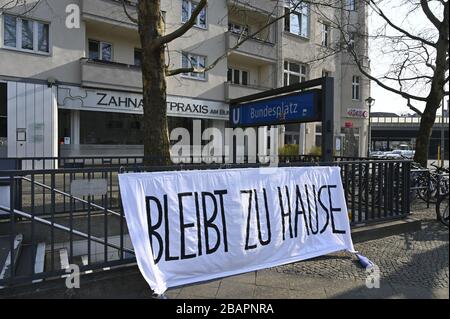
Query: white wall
x=32 y=108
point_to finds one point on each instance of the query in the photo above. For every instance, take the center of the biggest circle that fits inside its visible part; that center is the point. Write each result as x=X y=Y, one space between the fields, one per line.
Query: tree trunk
x=424 y=134
x=156 y=135
x=435 y=96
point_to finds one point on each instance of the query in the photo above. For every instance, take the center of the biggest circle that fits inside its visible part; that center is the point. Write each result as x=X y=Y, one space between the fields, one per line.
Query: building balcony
x=108 y=11
x=261 y=50
x=260 y=6
x=110 y=75
x=233 y=91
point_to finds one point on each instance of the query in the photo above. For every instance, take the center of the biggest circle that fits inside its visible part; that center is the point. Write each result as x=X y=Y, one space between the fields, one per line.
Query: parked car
x=376 y=154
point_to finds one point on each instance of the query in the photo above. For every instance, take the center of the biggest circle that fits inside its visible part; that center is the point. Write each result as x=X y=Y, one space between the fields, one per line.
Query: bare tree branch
x=132 y=19
x=426 y=9
x=237 y=45
x=184 y=28
x=396 y=27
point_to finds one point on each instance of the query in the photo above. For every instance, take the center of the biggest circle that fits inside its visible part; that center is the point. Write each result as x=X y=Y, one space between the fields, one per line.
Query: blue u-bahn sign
x=291 y=108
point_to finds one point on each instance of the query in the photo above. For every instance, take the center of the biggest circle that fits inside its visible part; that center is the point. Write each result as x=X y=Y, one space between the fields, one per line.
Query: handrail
x=71 y=196
x=64 y=228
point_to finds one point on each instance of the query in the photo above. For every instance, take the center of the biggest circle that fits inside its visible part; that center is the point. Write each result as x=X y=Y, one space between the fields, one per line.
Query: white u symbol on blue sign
x=236 y=115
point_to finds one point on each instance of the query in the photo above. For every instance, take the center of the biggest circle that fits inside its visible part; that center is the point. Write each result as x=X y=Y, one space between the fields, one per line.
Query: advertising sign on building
x=70 y=97
x=357 y=113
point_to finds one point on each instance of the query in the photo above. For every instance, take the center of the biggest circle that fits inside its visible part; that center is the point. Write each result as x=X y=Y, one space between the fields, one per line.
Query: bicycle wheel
x=442 y=209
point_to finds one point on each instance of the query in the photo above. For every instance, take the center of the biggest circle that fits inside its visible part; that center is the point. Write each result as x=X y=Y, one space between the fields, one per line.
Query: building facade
x=68 y=90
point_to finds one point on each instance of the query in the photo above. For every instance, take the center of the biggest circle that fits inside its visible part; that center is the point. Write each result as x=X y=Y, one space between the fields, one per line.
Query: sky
x=386 y=101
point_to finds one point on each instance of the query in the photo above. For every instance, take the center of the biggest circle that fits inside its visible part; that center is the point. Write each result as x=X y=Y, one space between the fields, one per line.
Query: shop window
x=110 y=128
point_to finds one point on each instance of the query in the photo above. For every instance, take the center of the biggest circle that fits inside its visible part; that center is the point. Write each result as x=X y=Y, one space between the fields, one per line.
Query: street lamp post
x=369 y=102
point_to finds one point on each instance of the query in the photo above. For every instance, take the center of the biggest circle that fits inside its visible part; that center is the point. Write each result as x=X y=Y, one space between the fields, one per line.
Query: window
x=3 y=114
x=137 y=57
x=26 y=34
x=355 y=87
x=99 y=50
x=350 y=141
x=238 y=29
x=297 y=22
x=236 y=76
x=195 y=61
x=294 y=73
x=350 y=5
x=318 y=135
x=325 y=34
x=110 y=128
x=187 y=8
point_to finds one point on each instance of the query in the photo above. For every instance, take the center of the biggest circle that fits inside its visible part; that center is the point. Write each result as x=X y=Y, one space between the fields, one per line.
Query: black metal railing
x=90 y=230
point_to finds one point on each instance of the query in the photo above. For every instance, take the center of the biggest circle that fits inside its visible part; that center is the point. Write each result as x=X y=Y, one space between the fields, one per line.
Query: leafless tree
x=420 y=67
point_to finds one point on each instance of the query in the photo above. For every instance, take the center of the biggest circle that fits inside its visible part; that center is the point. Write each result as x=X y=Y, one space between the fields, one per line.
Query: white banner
x=191 y=226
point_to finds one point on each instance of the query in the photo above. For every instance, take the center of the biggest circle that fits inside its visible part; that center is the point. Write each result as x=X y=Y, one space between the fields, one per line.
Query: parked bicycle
x=442 y=209
x=429 y=184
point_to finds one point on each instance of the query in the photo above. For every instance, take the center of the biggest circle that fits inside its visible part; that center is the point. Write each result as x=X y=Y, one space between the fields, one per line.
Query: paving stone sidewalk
x=412 y=265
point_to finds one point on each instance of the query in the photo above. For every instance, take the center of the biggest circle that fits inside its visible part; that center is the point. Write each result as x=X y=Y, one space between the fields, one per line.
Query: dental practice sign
x=291 y=108
x=191 y=226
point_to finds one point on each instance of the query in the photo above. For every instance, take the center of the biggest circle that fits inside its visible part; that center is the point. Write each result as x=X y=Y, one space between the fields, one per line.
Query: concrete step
x=5 y=254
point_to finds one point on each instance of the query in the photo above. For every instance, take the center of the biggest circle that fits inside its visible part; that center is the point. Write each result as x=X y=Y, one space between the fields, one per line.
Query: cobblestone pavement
x=412 y=265
x=415 y=259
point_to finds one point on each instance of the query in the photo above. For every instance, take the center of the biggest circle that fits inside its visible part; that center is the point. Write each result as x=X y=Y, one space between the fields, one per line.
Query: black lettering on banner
x=332 y=209
x=283 y=214
x=199 y=230
x=152 y=228
x=247 y=235
x=298 y=199
x=324 y=208
x=183 y=227
x=166 y=231
x=309 y=211
x=258 y=221
x=205 y=109
x=222 y=212
x=103 y=96
x=209 y=223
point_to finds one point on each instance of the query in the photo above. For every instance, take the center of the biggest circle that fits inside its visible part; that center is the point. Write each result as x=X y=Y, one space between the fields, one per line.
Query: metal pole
x=369 y=137
x=442 y=133
x=327 y=119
